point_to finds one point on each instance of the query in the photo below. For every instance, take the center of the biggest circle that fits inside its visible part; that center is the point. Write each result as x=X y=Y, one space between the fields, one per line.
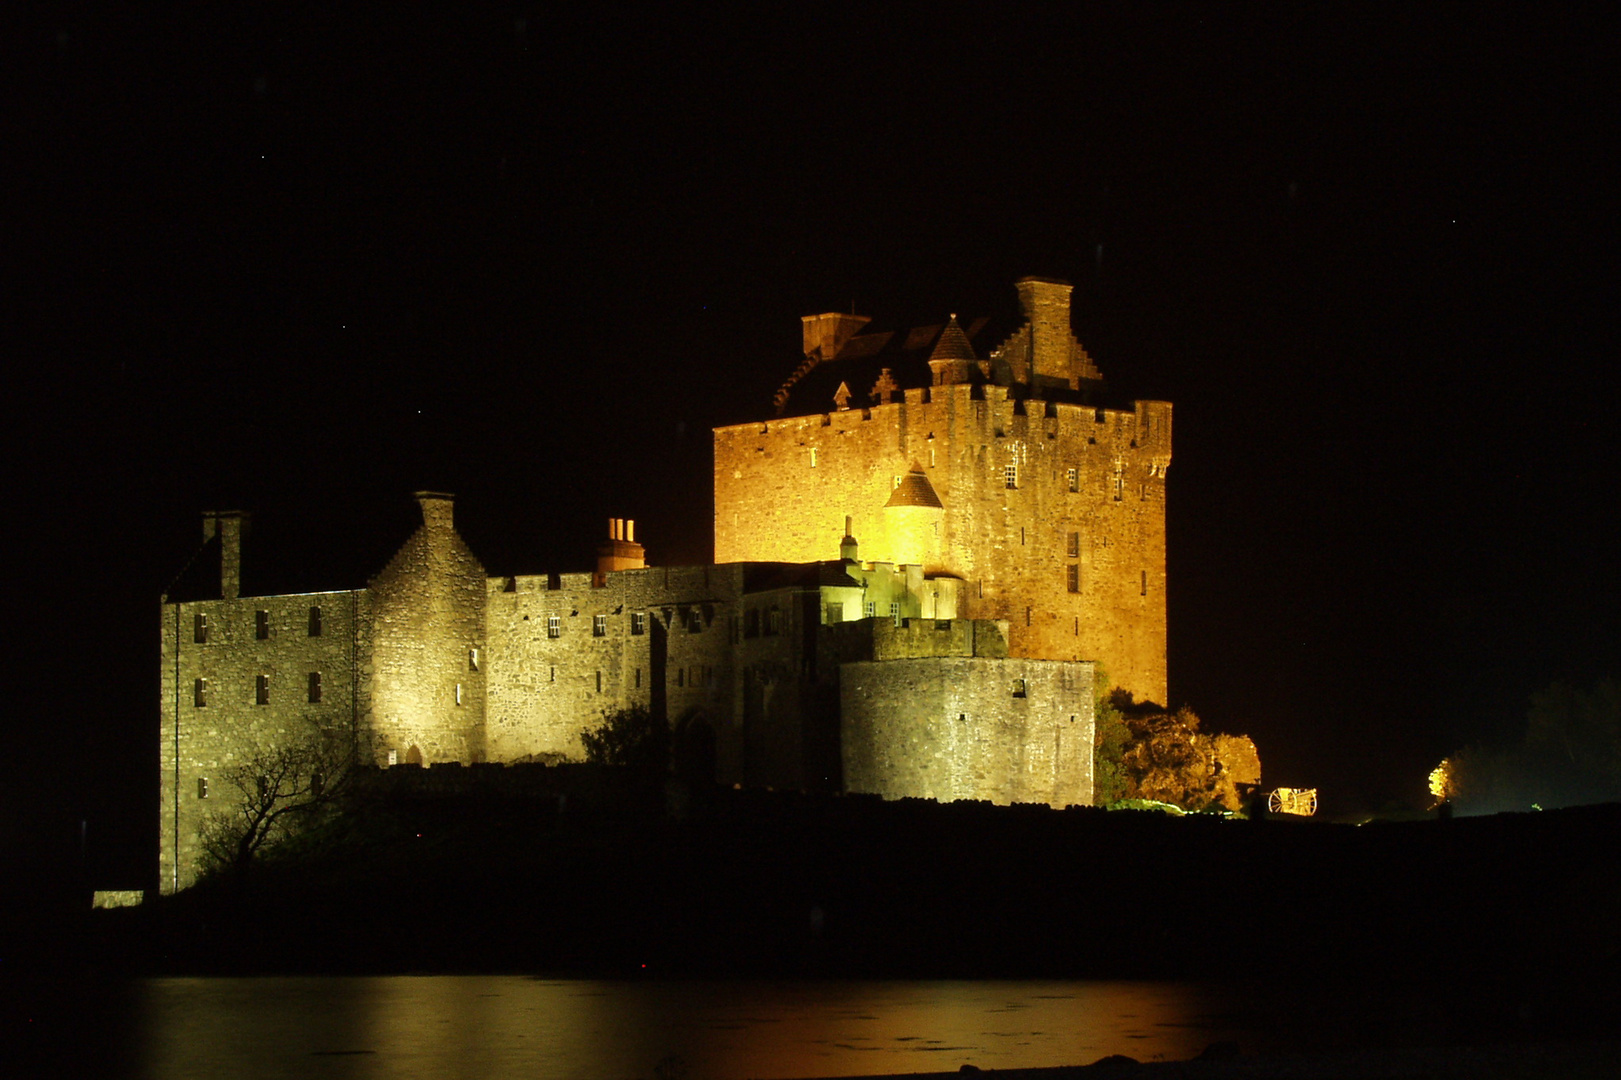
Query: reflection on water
x=511 y=1026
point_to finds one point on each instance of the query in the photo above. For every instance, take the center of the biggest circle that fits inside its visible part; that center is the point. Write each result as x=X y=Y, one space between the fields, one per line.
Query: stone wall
x=563 y=653
x=428 y=680
x=1038 y=497
x=247 y=686
x=968 y=727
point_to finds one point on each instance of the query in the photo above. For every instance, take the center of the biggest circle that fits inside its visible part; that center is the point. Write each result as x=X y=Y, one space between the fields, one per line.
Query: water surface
x=443 y=1027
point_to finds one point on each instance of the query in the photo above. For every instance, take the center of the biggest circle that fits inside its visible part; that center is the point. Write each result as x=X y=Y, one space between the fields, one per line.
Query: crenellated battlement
x=1052 y=507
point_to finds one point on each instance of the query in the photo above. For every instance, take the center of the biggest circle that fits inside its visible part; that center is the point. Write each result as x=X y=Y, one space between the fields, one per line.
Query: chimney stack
x=825 y=335
x=619 y=552
x=1052 y=343
x=229 y=526
x=438 y=510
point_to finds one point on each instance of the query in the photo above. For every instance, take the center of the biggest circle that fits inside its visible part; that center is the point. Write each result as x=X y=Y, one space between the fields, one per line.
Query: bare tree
x=280 y=789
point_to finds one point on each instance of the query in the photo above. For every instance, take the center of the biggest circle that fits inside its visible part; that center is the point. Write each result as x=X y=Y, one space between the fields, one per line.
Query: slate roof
x=860 y=364
x=953 y=344
x=906 y=352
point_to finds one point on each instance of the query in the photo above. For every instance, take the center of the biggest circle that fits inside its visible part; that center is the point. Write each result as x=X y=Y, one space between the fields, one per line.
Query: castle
x=1000 y=537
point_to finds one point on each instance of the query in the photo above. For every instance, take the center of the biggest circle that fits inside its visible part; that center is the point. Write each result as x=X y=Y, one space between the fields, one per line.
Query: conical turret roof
x=914 y=490
x=953 y=345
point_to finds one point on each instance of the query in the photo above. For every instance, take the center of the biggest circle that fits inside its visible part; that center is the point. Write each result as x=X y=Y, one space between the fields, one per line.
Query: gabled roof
x=861 y=361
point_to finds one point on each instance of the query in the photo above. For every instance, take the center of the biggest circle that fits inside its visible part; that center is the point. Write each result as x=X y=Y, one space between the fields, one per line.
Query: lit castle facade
x=999 y=538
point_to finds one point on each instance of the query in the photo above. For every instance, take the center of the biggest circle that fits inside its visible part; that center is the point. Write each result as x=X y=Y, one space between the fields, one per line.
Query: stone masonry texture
x=1000 y=545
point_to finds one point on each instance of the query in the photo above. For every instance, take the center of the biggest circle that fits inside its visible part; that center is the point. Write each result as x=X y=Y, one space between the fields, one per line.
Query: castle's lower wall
x=950 y=728
x=244 y=691
x=564 y=653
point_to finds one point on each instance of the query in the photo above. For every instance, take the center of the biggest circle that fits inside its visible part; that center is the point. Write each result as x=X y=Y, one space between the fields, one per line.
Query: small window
x=261 y=625
x=751 y=623
x=199 y=629
x=315 y=621
x=1018 y=688
x=315 y=688
x=895 y=612
x=202 y=787
x=638 y=622
x=599 y=682
x=1074 y=546
x=773 y=621
x=1072 y=576
x=870 y=609
x=1145 y=583
x=261 y=689
x=458 y=693
x=897 y=482
x=393 y=757
x=681 y=676
x=317 y=784
x=1010 y=476
x=472 y=659
x=694 y=618
x=813 y=457
x=599 y=626
x=199 y=693
x=638 y=678
x=1074 y=479
x=554 y=626
x=942 y=624
x=835 y=613
x=264 y=787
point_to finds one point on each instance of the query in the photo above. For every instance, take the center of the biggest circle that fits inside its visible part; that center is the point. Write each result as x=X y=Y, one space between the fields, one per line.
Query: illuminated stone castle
x=998 y=470
x=997 y=533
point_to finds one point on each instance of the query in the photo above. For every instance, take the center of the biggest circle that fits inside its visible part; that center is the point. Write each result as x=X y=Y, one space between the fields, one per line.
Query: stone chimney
x=438 y=510
x=229 y=526
x=849 y=550
x=1052 y=344
x=619 y=552
x=826 y=334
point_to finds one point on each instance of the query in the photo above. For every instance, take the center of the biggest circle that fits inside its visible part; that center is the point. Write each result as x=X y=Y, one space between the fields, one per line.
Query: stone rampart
x=966 y=727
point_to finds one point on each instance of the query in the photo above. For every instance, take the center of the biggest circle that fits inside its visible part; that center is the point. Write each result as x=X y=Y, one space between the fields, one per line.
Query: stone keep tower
x=994 y=466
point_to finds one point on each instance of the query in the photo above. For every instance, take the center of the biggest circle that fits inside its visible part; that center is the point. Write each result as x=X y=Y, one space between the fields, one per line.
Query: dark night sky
x=303 y=262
